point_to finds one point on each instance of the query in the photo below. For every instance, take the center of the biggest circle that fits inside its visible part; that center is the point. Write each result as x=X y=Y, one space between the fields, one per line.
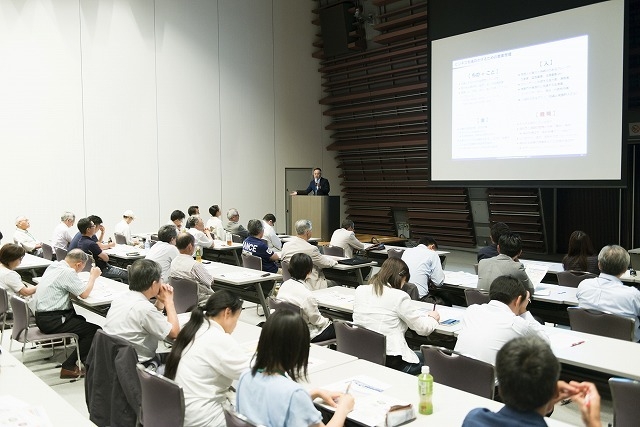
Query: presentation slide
x=534 y=100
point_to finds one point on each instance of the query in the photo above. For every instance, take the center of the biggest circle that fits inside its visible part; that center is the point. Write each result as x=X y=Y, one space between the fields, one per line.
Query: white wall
x=154 y=105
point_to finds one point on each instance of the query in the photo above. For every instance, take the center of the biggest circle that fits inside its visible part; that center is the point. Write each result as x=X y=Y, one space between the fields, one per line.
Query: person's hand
x=564 y=391
x=95 y=272
x=165 y=294
x=293 y=193
x=434 y=314
x=589 y=401
x=346 y=402
x=101 y=228
x=112 y=245
x=329 y=397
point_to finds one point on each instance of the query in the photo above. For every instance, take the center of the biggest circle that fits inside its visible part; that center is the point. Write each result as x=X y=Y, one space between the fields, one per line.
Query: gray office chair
x=61 y=254
x=162 y=400
x=4 y=310
x=21 y=331
x=234 y=419
x=333 y=251
x=603 y=324
x=278 y=304
x=185 y=294
x=360 y=342
x=458 y=371
x=474 y=296
x=90 y=263
x=625 y=394
x=47 y=251
x=573 y=278
x=412 y=290
x=395 y=253
x=120 y=239
x=251 y=261
x=235 y=238
x=285 y=270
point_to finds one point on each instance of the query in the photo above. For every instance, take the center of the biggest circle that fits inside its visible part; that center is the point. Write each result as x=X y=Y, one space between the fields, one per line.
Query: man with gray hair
x=195 y=227
x=24 y=238
x=233 y=226
x=256 y=246
x=54 y=311
x=346 y=239
x=64 y=232
x=164 y=250
x=606 y=292
x=300 y=244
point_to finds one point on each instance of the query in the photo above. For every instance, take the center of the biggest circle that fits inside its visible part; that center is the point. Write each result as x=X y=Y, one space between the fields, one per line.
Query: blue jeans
x=111 y=272
x=396 y=362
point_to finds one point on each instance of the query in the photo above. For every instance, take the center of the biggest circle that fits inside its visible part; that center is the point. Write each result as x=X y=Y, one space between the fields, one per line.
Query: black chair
x=360 y=342
x=121 y=239
x=185 y=294
x=412 y=290
x=47 y=251
x=603 y=324
x=234 y=419
x=251 y=261
x=235 y=238
x=61 y=254
x=625 y=394
x=90 y=263
x=4 y=310
x=474 y=296
x=458 y=371
x=395 y=253
x=162 y=400
x=573 y=278
x=333 y=251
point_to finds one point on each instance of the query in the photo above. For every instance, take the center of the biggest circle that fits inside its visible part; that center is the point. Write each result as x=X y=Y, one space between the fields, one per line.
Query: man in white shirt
x=424 y=265
x=177 y=218
x=300 y=244
x=164 y=251
x=214 y=224
x=195 y=227
x=184 y=266
x=64 y=232
x=346 y=239
x=606 y=292
x=488 y=327
x=273 y=241
x=123 y=227
x=24 y=238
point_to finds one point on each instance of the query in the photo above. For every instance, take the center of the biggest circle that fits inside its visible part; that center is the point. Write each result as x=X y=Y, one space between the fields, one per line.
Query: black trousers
x=51 y=322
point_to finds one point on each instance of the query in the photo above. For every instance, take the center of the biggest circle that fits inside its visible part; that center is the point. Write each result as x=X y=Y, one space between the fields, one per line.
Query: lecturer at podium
x=319 y=186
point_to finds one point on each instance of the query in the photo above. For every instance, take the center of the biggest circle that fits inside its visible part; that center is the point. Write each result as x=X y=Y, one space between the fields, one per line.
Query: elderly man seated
x=24 y=238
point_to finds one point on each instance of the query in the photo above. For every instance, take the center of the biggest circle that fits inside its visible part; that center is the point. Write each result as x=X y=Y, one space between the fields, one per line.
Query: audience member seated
x=184 y=266
x=233 y=226
x=206 y=359
x=346 y=239
x=505 y=264
x=10 y=258
x=25 y=239
x=256 y=246
x=134 y=318
x=295 y=291
x=528 y=373
x=580 y=255
x=193 y=210
x=123 y=227
x=215 y=223
x=164 y=251
x=269 y=222
x=281 y=360
x=88 y=245
x=97 y=237
x=497 y=230
x=54 y=311
x=300 y=244
x=385 y=308
x=64 y=231
x=606 y=292
x=202 y=236
x=424 y=266
x=488 y=327
x=177 y=217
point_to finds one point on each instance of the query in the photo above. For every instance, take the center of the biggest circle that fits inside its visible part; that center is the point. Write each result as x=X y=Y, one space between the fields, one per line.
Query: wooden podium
x=322 y=211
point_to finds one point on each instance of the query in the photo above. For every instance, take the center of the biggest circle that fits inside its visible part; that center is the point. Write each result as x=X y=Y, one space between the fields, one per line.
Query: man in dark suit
x=319 y=186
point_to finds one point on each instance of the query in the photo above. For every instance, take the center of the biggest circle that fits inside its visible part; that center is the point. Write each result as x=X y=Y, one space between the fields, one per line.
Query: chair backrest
x=625 y=394
x=47 y=251
x=474 y=296
x=285 y=270
x=234 y=419
x=572 y=278
x=412 y=290
x=121 y=239
x=61 y=254
x=278 y=304
x=333 y=250
x=90 y=263
x=154 y=237
x=236 y=238
x=395 y=253
x=603 y=324
x=251 y=261
x=20 y=318
x=360 y=342
x=443 y=261
x=185 y=294
x=459 y=371
x=152 y=242
x=4 y=301
x=475 y=267
x=162 y=400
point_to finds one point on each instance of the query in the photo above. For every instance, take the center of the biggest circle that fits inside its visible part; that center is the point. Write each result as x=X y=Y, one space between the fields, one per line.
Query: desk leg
x=359 y=277
x=236 y=255
x=262 y=299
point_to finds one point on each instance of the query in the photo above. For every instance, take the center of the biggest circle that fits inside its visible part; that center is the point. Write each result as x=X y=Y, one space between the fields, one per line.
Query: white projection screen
x=539 y=100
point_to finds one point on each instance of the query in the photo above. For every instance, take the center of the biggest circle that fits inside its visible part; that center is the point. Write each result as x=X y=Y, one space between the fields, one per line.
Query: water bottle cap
x=425 y=369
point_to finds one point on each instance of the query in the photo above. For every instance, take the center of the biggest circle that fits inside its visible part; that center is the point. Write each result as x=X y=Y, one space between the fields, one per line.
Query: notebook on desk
x=353 y=261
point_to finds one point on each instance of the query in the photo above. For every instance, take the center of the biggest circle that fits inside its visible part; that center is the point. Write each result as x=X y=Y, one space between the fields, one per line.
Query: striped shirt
x=58 y=281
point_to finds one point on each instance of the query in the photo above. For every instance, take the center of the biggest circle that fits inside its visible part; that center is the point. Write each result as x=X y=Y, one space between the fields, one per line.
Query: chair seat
x=35 y=334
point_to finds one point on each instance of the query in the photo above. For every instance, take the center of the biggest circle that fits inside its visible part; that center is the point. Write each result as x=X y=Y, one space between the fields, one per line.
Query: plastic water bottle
x=147 y=243
x=198 y=254
x=425 y=390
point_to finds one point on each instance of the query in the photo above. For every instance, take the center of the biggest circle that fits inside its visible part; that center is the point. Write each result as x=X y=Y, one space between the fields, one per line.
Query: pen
x=577 y=343
x=348 y=387
x=563 y=292
x=434 y=306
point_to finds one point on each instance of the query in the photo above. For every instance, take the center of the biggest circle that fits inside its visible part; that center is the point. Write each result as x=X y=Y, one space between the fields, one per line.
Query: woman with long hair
x=269 y=394
x=384 y=307
x=580 y=255
x=205 y=359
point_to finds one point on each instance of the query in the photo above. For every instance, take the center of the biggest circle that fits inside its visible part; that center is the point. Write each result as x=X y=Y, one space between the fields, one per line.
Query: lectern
x=322 y=211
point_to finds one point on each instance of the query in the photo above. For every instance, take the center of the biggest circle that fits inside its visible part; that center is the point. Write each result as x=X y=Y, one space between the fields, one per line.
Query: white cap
x=129 y=213
x=425 y=369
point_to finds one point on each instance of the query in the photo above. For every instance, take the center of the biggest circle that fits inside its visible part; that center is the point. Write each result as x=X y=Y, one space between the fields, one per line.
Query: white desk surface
x=18 y=381
x=450 y=405
x=121 y=251
x=552 y=267
x=221 y=245
x=104 y=290
x=235 y=275
x=32 y=261
x=402 y=248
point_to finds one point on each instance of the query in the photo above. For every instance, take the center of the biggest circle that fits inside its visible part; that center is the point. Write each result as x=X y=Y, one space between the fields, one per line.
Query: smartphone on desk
x=450 y=322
